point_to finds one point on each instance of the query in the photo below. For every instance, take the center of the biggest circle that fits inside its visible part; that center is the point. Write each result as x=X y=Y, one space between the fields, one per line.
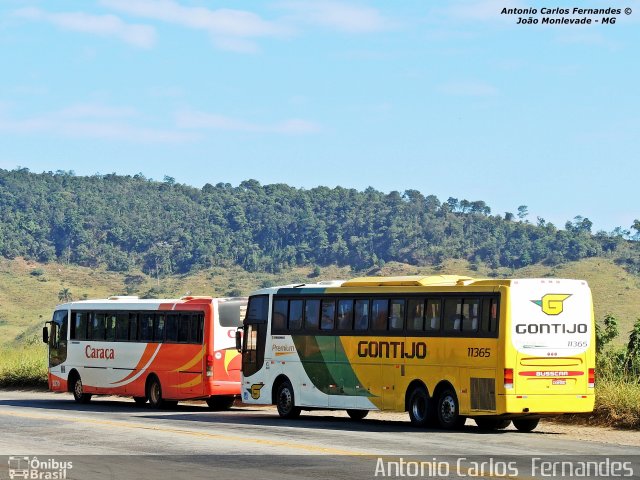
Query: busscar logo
x=552 y=303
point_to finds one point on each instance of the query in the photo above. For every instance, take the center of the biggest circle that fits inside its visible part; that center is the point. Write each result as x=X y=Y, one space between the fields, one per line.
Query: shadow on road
x=239 y=415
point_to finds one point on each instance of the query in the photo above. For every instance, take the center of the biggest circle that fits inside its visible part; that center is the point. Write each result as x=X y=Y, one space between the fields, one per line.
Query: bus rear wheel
x=357 y=414
x=491 y=423
x=154 y=394
x=78 y=391
x=419 y=407
x=525 y=424
x=221 y=402
x=448 y=412
x=285 y=401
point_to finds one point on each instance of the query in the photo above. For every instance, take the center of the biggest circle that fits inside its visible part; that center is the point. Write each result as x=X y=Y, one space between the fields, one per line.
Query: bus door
x=58 y=340
x=254 y=335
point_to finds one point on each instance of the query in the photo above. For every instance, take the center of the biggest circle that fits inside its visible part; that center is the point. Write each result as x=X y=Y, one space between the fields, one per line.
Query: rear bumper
x=547 y=404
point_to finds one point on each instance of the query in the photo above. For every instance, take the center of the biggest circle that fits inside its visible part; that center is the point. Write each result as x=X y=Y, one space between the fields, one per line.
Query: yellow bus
x=444 y=348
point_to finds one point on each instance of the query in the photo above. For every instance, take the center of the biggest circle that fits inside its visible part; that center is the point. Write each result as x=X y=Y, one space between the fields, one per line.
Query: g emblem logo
x=552 y=303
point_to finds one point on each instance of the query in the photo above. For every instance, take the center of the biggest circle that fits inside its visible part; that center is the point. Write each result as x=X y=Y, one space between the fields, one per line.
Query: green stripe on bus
x=325 y=362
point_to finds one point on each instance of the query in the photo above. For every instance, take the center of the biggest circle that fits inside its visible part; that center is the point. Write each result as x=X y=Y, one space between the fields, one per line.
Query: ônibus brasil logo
x=552 y=303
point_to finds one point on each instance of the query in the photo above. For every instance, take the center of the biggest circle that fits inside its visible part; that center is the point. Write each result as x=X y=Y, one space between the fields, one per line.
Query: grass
x=23 y=367
x=617 y=406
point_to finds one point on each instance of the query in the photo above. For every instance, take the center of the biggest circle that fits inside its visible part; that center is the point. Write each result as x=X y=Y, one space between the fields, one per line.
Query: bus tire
x=78 y=390
x=448 y=410
x=140 y=400
x=357 y=414
x=491 y=423
x=154 y=394
x=221 y=402
x=286 y=402
x=525 y=424
x=419 y=406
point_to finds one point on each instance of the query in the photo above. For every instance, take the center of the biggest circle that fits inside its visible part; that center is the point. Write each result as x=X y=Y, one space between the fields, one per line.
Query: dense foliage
x=163 y=227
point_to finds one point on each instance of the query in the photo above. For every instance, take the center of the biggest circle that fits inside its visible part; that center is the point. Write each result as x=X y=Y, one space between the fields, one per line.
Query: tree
x=636 y=227
x=632 y=357
x=523 y=211
x=605 y=335
x=64 y=295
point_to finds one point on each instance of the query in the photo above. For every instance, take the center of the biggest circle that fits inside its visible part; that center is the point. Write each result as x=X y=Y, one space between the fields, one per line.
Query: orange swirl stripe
x=146 y=355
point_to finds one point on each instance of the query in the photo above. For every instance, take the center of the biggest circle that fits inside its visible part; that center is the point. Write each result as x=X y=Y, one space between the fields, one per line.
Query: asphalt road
x=113 y=438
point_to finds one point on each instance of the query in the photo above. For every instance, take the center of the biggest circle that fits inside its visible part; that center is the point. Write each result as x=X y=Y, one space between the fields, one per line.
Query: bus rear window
x=232 y=312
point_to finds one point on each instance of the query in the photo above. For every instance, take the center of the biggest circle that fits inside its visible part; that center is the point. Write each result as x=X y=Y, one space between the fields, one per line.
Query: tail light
x=592 y=378
x=508 y=378
x=209 y=365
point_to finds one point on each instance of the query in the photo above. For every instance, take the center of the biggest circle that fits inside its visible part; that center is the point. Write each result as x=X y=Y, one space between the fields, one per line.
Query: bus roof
x=132 y=302
x=334 y=286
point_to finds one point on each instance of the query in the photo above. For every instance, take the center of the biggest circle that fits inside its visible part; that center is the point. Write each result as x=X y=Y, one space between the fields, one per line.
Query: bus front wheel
x=525 y=424
x=78 y=391
x=285 y=401
x=448 y=413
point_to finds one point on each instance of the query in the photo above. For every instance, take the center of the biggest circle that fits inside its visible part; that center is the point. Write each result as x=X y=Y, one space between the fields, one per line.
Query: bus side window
x=345 y=314
x=279 y=317
x=111 y=327
x=171 y=328
x=96 y=326
x=133 y=327
x=452 y=315
x=471 y=314
x=415 y=314
x=379 y=314
x=122 y=327
x=361 y=317
x=295 y=314
x=184 y=325
x=434 y=306
x=396 y=315
x=493 y=325
x=328 y=314
x=79 y=326
x=312 y=315
x=197 y=322
x=146 y=327
x=158 y=328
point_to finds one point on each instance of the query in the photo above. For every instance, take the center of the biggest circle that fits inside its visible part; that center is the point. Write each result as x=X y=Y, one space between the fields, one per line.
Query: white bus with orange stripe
x=161 y=351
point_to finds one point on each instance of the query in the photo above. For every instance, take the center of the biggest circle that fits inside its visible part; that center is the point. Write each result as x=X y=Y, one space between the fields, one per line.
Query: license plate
x=558 y=381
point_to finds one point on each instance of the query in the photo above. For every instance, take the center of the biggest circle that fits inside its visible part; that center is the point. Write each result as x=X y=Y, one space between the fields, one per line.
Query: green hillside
x=29 y=290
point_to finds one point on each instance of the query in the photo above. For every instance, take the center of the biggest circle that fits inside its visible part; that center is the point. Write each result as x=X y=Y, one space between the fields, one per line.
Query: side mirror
x=45 y=334
x=239 y=340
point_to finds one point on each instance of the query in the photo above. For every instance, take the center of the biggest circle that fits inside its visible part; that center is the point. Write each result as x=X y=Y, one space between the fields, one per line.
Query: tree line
x=126 y=222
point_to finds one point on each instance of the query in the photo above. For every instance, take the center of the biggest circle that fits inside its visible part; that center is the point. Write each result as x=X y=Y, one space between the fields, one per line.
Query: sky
x=450 y=98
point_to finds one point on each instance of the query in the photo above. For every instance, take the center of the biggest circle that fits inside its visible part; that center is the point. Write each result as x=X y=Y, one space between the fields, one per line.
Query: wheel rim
x=77 y=388
x=286 y=399
x=419 y=408
x=448 y=409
